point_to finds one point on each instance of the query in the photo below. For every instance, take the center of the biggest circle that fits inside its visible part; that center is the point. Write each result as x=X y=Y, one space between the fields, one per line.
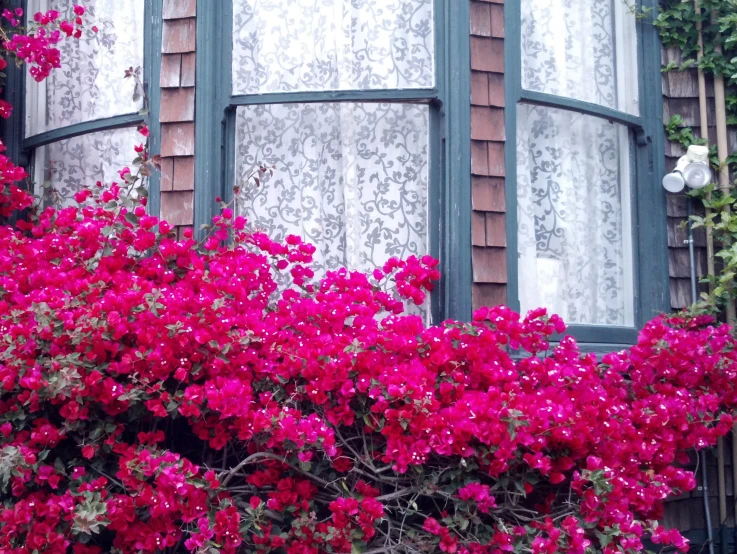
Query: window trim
x=650 y=245
x=21 y=149
x=449 y=188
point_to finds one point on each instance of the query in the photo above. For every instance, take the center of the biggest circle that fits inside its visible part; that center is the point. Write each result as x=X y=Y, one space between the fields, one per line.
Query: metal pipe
x=722 y=489
x=707 y=510
x=702 y=454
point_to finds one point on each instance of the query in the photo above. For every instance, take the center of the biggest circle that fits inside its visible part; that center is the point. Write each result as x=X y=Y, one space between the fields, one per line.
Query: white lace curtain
x=573 y=171
x=349 y=178
x=90 y=85
x=574 y=231
x=581 y=49
x=64 y=167
x=298 y=45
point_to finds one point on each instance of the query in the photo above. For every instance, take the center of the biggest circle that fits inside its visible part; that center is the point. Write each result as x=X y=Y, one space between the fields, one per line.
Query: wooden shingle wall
x=681 y=97
x=177 y=112
x=489 y=236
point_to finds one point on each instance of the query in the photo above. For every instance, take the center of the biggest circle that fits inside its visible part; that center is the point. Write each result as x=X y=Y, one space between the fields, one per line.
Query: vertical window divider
x=152 y=76
x=211 y=92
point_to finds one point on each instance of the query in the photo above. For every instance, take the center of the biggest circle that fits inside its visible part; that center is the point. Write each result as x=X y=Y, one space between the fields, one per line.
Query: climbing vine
x=677 y=23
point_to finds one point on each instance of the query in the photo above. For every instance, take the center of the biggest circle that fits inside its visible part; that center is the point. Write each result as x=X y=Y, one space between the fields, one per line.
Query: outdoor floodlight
x=692 y=170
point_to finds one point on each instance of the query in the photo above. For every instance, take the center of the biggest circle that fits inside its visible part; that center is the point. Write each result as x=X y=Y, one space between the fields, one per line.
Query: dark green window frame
x=21 y=150
x=650 y=244
x=450 y=170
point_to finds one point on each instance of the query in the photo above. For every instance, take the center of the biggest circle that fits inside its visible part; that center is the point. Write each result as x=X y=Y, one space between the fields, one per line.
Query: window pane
x=65 y=167
x=574 y=216
x=298 y=45
x=90 y=84
x=582 y=49
x=349 y=178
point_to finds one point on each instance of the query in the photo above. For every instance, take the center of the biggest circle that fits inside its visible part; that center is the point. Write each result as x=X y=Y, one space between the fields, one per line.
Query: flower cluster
x=163 y=393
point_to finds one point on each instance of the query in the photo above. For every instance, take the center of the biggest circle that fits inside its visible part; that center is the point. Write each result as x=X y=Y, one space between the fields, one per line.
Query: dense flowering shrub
x=165 y=395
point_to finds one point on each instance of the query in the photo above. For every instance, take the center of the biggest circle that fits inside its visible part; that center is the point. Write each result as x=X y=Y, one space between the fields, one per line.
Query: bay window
x=586 y=212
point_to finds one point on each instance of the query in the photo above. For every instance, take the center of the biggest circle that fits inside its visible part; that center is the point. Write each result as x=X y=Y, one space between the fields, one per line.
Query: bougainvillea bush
x=165 y=395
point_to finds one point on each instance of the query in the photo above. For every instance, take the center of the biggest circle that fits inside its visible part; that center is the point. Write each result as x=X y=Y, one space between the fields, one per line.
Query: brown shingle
x=178 y=207
x=487 y=194
x=188 y=70
x=478 y=229
x=479 y=88
x=496 y=231
x=487 y=54
x=178 y=9
x=184 y=173
x=496 y=89
x=480 y=19
x=177 y=104
x=489 y=265
x=488 y=295
x=487 y=123
x=167 y=173
x=177 y=139
x=497 y=167
x=179 y=36
x=497 y=20
x=479 y=158
x=171 y=65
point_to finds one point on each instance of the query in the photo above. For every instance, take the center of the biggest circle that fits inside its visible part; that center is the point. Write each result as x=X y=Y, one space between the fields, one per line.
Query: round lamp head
x=697 y=175
x=674 y=182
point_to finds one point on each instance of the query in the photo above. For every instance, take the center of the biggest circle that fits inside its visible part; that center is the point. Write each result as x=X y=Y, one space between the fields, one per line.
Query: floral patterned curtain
x=573 y=171
x=64 y=167
x=581 y=49
x=349 y=178
x=574 y=231
x=90 y=84
x=299 y=45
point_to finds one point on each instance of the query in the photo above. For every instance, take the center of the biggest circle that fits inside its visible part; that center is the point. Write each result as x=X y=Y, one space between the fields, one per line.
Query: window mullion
x=70 y=131
x=586 y=108
x=306 y=97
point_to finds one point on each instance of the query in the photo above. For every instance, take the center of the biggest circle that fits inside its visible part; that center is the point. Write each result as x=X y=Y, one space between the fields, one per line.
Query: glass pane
x=574 y=216
x=298 y=45
x=349 y=178
x=581 y=49
x=90 y=83
x=63 y=168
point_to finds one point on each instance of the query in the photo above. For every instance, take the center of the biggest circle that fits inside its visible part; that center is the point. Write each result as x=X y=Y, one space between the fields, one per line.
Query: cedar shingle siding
x=487 y=153
x=177 y=112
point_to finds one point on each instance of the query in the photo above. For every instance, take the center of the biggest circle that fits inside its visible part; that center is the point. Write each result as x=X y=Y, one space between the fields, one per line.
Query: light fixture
x=692 y=170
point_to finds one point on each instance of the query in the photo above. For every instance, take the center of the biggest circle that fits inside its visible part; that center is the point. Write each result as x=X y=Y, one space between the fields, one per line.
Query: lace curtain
x=64 y=167
x=573 y=170
x=298 y=45
x=582 y=49
x=574 y=229
x=90 y=85
x=349 y=178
